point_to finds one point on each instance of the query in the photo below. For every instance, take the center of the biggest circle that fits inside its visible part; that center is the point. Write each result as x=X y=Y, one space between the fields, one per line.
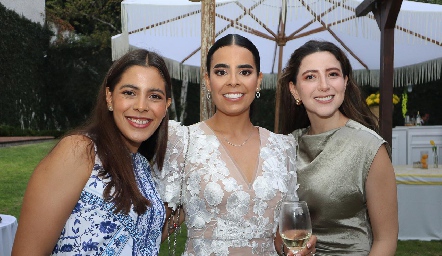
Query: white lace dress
x=225 y=215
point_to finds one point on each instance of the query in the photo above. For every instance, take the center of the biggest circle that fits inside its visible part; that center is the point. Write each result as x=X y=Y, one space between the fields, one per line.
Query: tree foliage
x=91 y=20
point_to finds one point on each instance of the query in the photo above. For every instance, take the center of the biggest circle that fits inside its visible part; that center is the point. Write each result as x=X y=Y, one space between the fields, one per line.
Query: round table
x=8 y=227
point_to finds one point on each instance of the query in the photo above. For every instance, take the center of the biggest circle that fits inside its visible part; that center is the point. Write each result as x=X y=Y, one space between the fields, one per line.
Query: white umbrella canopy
x=173 y=29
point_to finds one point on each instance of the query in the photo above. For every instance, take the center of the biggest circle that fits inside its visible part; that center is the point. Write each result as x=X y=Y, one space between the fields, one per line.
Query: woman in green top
x=344 y=167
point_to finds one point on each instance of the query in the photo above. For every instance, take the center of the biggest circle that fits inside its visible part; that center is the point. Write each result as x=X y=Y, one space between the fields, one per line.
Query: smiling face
x=320 y=84
x=233 y=79
x=139 y=104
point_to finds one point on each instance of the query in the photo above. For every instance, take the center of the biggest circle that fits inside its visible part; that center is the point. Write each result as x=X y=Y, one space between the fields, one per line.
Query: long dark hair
x=111 y=149
x=235 y=39
x=354 y=105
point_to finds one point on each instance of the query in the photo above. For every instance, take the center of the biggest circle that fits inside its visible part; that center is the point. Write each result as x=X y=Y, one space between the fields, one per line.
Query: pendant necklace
x=238 y=145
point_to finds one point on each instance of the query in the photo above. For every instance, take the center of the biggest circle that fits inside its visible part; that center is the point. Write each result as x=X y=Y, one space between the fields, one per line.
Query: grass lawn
x=18 y=162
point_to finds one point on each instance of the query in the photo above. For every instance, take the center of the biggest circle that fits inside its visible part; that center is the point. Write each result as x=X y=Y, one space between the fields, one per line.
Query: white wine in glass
x=295 y=226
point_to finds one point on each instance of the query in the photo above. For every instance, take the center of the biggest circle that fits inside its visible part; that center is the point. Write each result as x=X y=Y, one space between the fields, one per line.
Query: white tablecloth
x=419 y=202
x=8 y=227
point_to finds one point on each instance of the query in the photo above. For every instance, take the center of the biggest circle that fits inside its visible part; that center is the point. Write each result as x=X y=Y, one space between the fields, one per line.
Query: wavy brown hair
x=111 y=149
x=295 y=116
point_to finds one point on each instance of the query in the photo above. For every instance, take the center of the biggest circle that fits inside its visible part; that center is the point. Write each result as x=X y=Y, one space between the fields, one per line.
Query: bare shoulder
x=71 y=152
x=75 y=146
x=381 y=166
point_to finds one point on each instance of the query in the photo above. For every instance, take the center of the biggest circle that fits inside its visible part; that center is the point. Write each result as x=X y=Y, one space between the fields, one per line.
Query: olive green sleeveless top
x=332 y=170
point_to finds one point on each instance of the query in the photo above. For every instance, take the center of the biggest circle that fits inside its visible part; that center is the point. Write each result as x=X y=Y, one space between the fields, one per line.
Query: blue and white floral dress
x=94 y=229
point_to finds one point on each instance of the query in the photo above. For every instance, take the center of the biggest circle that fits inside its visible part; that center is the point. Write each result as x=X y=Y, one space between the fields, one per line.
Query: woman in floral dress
x=235 y=173
x=93 y=194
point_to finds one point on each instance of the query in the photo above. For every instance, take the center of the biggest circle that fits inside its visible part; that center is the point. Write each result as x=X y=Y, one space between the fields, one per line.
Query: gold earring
x=298 y=102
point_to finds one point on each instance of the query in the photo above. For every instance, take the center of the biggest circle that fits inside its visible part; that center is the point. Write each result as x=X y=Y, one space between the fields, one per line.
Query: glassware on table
x=424 y=159
x=295 y=226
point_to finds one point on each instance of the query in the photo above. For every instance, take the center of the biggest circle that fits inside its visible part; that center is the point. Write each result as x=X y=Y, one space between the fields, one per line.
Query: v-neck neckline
x=234 y=163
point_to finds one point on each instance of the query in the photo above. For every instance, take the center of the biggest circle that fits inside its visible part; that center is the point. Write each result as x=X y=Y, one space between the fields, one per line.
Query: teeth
x=324 y=98
x=233 y=95
x=138 y=121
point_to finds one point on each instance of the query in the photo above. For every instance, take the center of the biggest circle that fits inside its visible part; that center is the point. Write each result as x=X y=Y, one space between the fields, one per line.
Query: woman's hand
x=309 y=250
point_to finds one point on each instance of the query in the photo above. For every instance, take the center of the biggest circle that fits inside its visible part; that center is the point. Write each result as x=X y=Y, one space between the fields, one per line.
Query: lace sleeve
x=292 y=193
x=290 y=144
x=168 y=179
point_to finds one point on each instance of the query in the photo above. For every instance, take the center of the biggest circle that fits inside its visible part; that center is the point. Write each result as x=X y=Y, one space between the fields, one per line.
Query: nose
x=233 y=80
x=141 y=105
x=323 y=84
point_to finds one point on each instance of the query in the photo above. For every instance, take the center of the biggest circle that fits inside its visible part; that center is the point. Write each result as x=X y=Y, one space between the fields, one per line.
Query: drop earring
x=208 y=95
x=258 y=93
x=110 y=108
x=298 y=102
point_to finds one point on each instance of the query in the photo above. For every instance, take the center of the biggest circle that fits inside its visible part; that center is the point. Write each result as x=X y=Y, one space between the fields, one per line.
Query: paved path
x=14 y=141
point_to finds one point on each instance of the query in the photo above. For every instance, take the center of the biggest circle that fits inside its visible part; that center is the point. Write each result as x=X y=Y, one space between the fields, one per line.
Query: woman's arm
x=172 y=222
x=52 y=193
x=382 y=204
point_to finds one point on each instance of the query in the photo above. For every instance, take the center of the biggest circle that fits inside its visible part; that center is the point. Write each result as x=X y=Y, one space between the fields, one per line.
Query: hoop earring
x=298 y=102
x=257 y=94
x=208 y=95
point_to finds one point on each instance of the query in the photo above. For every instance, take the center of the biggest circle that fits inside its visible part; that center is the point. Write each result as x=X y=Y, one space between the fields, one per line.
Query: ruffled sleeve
x=169 y=179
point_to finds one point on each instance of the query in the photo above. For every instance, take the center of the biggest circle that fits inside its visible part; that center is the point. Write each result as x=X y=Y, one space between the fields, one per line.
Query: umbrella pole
x=386 y=13
x=281 y=41
x=207 y=109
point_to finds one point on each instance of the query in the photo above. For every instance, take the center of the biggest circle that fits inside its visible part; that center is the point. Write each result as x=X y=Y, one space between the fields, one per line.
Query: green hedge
x=42 y=86
x=22 y=49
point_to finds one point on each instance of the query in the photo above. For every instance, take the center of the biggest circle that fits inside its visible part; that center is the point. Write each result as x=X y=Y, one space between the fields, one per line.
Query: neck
x=230 y=125
x=320 y=125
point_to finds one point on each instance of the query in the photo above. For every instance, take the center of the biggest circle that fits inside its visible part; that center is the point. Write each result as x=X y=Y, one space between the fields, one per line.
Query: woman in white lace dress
x=235 y=174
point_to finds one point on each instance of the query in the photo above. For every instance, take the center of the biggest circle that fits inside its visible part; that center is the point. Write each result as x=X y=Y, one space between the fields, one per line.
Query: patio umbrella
x=277 y=27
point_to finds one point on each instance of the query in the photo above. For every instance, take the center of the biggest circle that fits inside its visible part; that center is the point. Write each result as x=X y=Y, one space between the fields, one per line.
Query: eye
x=220 y=72
x=156 y=97
x=334 y=74
x=309 y=77
x=245 y=72
x=128 y=93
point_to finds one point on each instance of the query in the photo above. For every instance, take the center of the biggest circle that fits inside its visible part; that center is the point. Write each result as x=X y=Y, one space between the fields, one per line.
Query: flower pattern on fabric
x=224 y=213
x=94 y=229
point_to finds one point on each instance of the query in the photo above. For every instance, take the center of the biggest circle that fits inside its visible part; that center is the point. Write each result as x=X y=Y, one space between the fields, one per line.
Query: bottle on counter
x=418 y=119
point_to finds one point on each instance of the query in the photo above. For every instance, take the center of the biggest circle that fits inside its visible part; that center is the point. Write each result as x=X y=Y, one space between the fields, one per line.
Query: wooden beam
x=281 y=43
x=386 y=13
x=365 y=7
x=207 y=108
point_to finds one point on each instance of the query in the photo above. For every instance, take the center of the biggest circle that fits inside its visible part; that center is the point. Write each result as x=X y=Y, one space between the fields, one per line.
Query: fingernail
x=309 y=245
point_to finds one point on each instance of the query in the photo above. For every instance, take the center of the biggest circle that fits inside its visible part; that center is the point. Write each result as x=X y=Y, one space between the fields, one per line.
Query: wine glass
x=295 y=226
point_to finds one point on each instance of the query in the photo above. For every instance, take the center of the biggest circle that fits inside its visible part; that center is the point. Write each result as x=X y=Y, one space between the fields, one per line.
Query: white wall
x=33 y=10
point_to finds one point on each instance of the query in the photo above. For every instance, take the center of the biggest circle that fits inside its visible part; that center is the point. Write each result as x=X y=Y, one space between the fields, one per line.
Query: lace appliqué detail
x=222 y=212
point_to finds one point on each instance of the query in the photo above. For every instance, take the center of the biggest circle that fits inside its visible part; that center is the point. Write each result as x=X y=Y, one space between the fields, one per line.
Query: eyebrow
x=222 y=65
x=316 y=71
x=131 y=86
